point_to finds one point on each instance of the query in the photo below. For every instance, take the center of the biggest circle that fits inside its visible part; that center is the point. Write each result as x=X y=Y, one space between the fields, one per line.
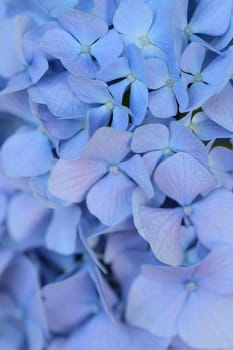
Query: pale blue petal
x=149 y=138
x=133 y=17
x=161 y=227
x=183 y=178
x=110 y=198
x=71 y=179
x=26 y=153
x=61 y=234
x=83 y=26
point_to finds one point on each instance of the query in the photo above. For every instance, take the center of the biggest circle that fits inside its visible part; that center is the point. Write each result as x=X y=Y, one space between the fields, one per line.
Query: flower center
x=144 y=40
x=131 y=78
x=109 y=105
x=170 y=83
x=197 y=78
x=85 y=48
x=187 y=210
x=113 y=169
x=188 y=31
x=191 y=286
x=167 y=152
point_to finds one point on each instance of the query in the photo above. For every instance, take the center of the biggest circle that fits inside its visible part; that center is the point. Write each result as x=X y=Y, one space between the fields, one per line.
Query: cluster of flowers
x=116 y=203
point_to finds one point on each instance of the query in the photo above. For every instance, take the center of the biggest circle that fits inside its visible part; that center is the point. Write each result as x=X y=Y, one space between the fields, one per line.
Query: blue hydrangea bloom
x=116 y=174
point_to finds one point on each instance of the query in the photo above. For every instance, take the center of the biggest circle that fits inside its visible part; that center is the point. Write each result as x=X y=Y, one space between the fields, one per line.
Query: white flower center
x=131 y=78
x=85 y=48
x=109 y=105
x=187 y=210
x=191 y=286
x=144 y=40
x=197 y=78
x=113 y=169
x=170 y=83
x=188 y=31
x=167 y=152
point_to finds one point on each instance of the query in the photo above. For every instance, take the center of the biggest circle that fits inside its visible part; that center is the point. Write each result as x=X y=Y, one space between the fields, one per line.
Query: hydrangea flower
x=84 y=45
x=100 y=168
x=116 y=174
x=195 y=302
x=183 y=179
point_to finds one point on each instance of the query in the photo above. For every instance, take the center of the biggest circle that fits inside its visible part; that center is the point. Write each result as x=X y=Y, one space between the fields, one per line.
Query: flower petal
x=62 y=230
x=183 y=178
x=71 y=179
x=26 y=153
x=213 y=219
x=85 y=27
x=102 y=145
x=110 y=198
x=133 y=17
x=161 y=228
x=150 y=137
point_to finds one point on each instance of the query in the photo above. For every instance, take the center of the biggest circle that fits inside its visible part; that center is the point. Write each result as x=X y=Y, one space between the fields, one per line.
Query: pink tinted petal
x=215 y=273
x=205 y=321
x=71 y=179
x=161 y=227
x=154 y=305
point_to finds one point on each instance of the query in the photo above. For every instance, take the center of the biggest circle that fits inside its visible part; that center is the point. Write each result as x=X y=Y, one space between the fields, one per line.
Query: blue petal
x=21 y=226
x=102 y=145
x=89 y=90
x=83 y=26
x=162 y=103
x=183 y=140
x=55 y=92
x=117 y=69
x=149 y=138
x=157 y=73
x=133 y=17
x=138 y=101
x=211 y=17
x=60 y=44
x=107 y=48
x=206 y=129
x=135 y=168
x=26 y=153
x=161 y=227
x=183 y=178
x=62 y=230
x=219 y=108
x=216 y=228
x=111 y=206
